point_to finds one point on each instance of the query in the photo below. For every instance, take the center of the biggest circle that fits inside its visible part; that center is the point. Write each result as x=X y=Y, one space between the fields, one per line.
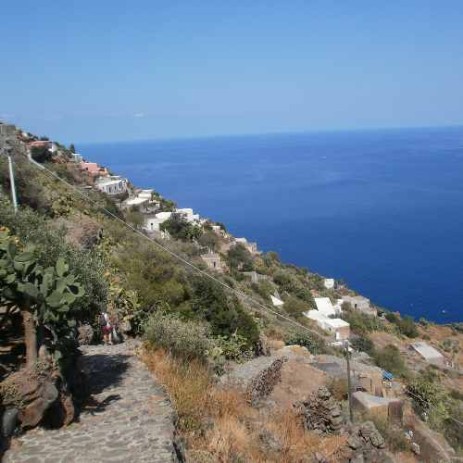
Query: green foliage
x=209 y=240
x=179 y=228
x=405 y=326
x=235 y=347
x=360 y=323
x=294 y=285
x=49 y=293
x=187 y=340
x=40 y=153
x=239 y=258
x=363 y=344
x=295 y=307
x=429 y=398
x=225 y=314
x=315 y=344
x=166 y=205
x=87 y=265
x=390 y=359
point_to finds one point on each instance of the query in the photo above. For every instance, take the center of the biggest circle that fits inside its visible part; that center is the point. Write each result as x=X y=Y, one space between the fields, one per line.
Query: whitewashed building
x=361 y=303
x=113 y=185
x=153 y=222
x=337 y=327
x=188 y=214
x=328 y=283
x=327 y=308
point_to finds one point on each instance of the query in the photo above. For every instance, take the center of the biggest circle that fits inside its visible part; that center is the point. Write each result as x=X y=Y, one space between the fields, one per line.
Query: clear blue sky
x=118 y=70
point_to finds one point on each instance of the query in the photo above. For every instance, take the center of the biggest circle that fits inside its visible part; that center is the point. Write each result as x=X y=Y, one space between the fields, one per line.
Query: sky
x=83 y=71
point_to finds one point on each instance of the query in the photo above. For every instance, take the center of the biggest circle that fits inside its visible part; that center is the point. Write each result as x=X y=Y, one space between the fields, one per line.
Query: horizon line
x=274 y=133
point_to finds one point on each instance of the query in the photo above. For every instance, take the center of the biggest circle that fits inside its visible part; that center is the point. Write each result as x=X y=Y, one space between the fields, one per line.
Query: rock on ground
x=129 y=419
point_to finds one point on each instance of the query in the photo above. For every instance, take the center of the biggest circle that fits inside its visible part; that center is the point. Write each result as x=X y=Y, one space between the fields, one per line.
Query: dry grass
x=188 y=385
x=220 y=425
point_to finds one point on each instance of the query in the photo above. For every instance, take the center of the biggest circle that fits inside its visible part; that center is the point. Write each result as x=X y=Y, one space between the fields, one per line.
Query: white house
x=152 y=222
x=325 y=306
x=78 y=158
x=276 y=301
x=429 y=353
x=328 y=283
x=340 y=329
x=113 y=185
x=187 y=214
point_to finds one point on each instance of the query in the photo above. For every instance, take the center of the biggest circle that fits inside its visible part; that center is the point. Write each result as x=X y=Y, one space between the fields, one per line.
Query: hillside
x=218 y=318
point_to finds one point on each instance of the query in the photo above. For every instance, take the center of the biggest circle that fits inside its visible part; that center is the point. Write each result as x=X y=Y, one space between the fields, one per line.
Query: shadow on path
x=104 y=372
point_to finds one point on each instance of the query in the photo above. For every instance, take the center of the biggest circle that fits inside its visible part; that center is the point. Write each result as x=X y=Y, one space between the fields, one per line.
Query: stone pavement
x=130 y=420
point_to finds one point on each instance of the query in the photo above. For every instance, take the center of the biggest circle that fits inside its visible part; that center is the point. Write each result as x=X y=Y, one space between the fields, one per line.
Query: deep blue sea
x=381 y=209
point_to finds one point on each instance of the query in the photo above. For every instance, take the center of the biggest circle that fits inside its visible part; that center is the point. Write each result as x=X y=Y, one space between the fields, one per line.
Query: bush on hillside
x=360 y=323
x=314 y=344
x=186 y=340
x=239 y=258
x=405 y=325
x=390 y=359
x=225 y=314
x=295 y=307
x=363 y=344
x=294 y=285
x=180 y=229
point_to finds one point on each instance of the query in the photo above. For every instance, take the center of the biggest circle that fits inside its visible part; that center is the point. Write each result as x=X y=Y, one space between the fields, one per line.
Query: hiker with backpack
x=106 y=328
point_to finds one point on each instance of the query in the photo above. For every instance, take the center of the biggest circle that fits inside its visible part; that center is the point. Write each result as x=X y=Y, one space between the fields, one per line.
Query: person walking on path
x=106 y=328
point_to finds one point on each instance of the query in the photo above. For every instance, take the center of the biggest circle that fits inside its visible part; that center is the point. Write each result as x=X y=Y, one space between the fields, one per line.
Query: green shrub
x=390 y=359
x=363 y=344
x=187 y=340
x=225 y=313
x=295 y=307
x=179 y=228
x=360 y=323
x=239 y=258
x=314 y=344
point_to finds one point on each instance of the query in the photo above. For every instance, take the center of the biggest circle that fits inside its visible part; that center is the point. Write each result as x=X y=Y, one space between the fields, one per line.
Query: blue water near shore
x=382 y=209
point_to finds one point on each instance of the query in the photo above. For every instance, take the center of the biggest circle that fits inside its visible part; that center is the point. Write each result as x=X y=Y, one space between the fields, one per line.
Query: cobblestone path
x=132 y=419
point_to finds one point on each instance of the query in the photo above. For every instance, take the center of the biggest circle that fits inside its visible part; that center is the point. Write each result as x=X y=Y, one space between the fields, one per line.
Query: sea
x=381 y=210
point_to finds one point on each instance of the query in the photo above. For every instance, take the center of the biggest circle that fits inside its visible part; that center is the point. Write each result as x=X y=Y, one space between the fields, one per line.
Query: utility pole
x=349 y=383
x=6 y=149
x=12 y=184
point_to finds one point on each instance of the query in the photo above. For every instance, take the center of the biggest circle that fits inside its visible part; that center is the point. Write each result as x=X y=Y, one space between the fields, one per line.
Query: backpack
x=103 y=321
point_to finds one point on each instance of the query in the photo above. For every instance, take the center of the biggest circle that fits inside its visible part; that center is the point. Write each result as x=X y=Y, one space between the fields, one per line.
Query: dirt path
x=132 y=419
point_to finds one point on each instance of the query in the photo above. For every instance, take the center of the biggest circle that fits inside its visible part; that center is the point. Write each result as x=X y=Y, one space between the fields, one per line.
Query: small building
x=429 y=353
x=112 y=186
x=77 y=158
x=361 y=303
x=136 y=202
x=277 y=302
x=187 y=214
x=213 y=262
x=387 y=408
x=93 y=169
x=326 y=307
x=328 y=283
x=340 y=329
x=153 y=222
